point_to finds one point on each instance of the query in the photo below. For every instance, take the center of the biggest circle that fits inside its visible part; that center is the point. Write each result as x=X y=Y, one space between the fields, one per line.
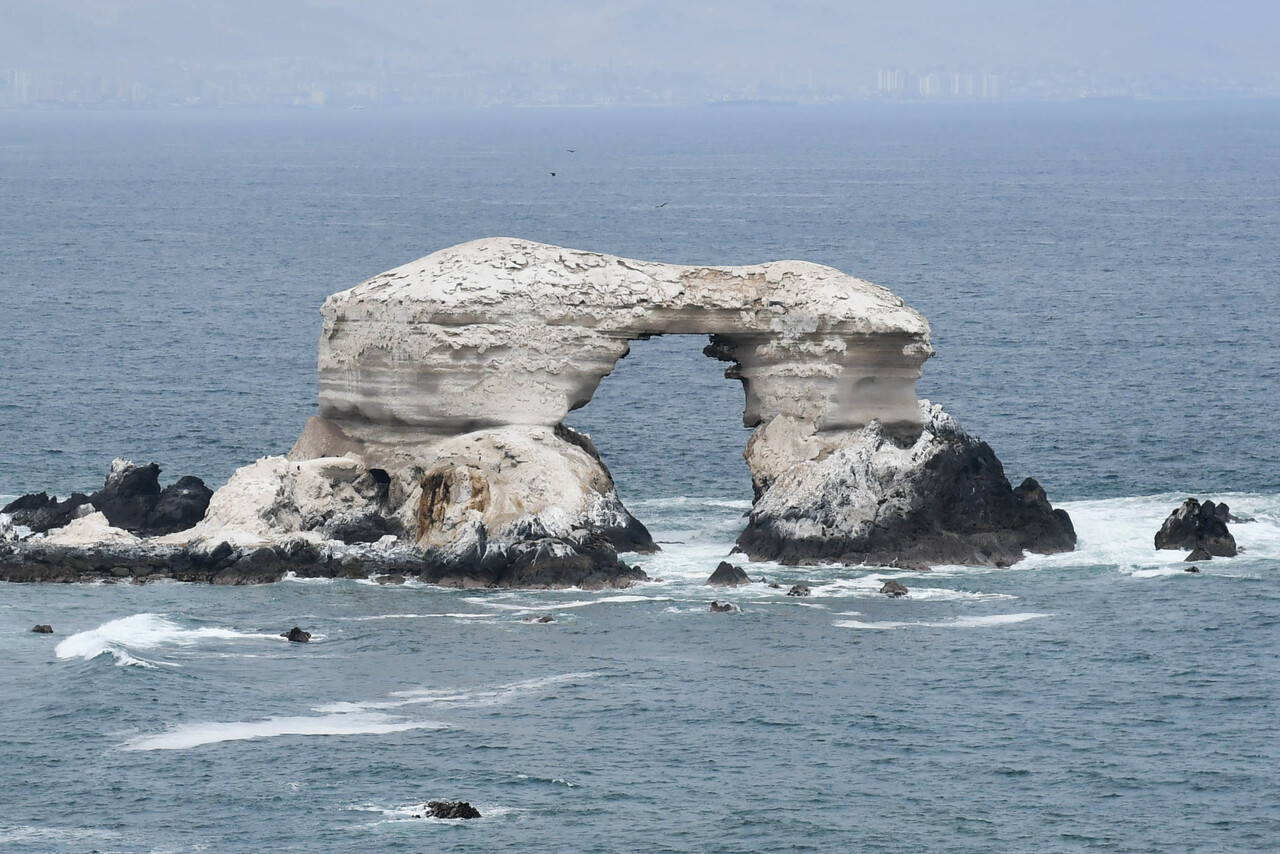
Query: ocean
x=1103 y=282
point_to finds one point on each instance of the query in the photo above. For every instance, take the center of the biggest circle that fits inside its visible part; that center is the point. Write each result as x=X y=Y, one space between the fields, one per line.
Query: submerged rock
x=894 y=589
x=884 y=499
x=42 y=629
x=727 y=575
x=449 y=810
x=1194 y=525
x=799 y=590
x=718 y=607
x=1192 y=569
x=296 y=635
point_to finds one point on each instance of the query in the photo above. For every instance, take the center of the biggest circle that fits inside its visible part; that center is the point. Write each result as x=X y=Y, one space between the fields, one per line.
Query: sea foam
x=957 y=623
x=349 y=723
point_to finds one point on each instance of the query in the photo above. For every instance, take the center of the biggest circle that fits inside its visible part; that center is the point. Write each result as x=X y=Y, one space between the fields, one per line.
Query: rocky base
x=535 y=566
x=887 y=501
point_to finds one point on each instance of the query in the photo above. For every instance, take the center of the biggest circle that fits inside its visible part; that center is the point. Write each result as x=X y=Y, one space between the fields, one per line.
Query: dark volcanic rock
x=1195 y=525
x=180 y=506
x=296 y=635
x=894 y=589
x=40 y=512
x=449 y=809
x=1198 y=553
x=42 y=629
x=728 y=575
x=549 y=562
x=890 y=500
x=260 y=566
x=545 y=618
x=799 y=590
x=718 y=607
x=1192 y=569
x=129 y=495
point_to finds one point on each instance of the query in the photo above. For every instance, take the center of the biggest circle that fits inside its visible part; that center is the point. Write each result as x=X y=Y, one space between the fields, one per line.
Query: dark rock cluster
x=131 y=498
x=1199 y=527
x=448 y=810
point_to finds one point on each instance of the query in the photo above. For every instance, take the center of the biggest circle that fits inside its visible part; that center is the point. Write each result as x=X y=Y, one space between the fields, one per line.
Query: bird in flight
x=571 y=150
x=663 y=205
x=553 y=174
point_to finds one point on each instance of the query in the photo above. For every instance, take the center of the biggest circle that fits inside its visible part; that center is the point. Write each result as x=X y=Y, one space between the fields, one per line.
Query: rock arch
x=454 y=373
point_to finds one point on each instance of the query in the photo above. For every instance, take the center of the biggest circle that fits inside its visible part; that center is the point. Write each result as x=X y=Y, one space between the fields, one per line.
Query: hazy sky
x=1180 y=39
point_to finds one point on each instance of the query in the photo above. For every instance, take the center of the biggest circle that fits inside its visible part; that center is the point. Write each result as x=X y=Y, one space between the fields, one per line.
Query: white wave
x=1160 y=572
x=298 y=579
x=957 y=623
x=461 y=697
x=621 y=598
x=349 y=723
x=31 y=833
x=416 y=617
x=868 y=586
x=1120 y=532
x=366 y=718
x=138 y=632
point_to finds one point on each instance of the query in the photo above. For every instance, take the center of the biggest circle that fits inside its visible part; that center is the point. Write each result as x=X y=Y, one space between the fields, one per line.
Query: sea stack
x=439 y=449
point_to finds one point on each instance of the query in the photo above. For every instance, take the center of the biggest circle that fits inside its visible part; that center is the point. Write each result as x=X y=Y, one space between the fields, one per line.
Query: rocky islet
x=439 y=450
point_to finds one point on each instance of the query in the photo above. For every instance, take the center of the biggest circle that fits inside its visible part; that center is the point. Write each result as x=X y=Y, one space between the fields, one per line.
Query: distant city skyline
x=340 y=53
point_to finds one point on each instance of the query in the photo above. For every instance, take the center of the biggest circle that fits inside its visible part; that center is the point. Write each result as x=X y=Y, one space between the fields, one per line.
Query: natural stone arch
x=502 y=332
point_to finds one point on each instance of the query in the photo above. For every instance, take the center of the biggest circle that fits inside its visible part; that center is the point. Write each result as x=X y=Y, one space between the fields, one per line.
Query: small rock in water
x=545 y=618
x=1198 y=553
x=448 y=809
x=718 y=607
x=775 y=585
x=297 y=635
x=1192 y=569
x=43 y=629
x=391 y=579
x=728 y=575
x=895 y=589
x=798 y=590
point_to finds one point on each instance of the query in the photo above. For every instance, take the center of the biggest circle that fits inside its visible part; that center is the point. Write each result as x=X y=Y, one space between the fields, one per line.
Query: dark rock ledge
x=532 y=565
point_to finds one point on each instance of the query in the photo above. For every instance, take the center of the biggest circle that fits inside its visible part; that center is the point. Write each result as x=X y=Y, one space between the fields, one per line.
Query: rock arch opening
x=668 y=423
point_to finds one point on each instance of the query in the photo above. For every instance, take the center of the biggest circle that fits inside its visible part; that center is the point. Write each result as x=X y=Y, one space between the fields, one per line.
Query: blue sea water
x=1104 y=289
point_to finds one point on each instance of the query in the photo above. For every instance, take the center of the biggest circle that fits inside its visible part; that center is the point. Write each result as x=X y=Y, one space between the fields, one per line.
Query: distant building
x=891 y=82
x=19 y=86
x=990 y=86
x=928 y=86
x=962 y=86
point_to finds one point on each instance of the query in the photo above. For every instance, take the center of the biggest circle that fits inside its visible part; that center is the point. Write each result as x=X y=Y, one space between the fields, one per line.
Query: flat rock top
x=503 y=276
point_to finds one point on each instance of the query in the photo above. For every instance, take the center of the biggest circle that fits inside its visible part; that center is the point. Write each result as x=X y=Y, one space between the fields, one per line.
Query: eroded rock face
x=499 y=332
x=881 y=500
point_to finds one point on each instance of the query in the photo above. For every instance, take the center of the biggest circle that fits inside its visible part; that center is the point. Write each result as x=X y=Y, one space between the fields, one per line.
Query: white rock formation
x=499 y=332
x=444 y=384
x=91 y=529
